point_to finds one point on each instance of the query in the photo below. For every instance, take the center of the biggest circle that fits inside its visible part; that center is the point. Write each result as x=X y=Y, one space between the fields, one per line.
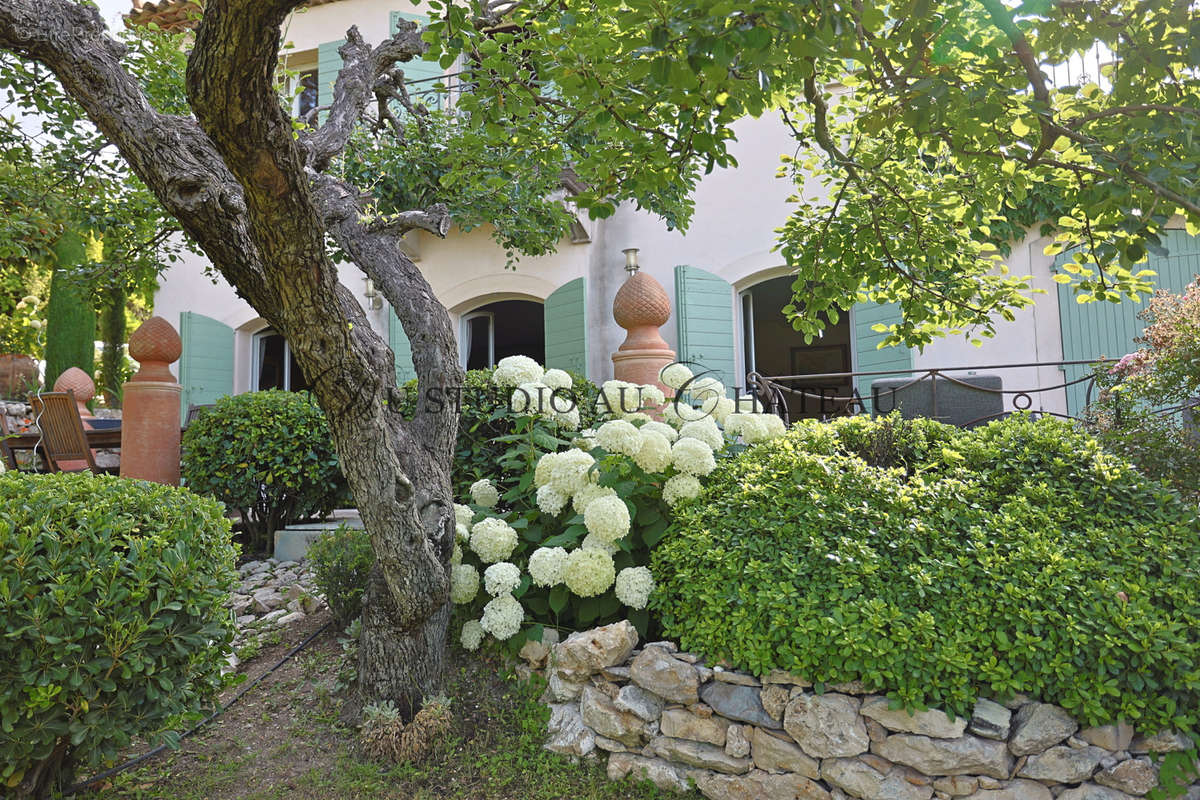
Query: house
x=725 y=282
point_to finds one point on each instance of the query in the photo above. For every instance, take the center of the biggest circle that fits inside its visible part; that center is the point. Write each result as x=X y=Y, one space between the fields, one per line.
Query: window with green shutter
x=1107 y=330
x=704 y=323
x=329 y=64
x=869 y=356
x=206 y=364
x=565 y=322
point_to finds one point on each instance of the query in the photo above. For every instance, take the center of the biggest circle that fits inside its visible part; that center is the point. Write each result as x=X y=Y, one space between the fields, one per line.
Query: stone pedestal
x=150 y=419
x=641 y=307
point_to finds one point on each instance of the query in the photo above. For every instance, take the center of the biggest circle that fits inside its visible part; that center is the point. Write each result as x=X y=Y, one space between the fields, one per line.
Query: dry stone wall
x=666 y=716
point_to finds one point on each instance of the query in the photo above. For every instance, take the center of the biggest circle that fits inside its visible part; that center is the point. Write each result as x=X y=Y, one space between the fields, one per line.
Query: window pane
x=270 y=361
x=478 y=336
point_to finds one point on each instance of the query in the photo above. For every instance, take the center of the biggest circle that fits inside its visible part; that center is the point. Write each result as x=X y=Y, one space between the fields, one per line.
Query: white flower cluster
x=472 y=635
x=654 y=454
x=502 y=617
x=619 y=436
x=550 y=500
x=589 y=572
x=680 y=487
x=493 y=540
x=464 y=583
x=675 y=375
x=501 y=578
x=755 y=428
x=693 y=457
x=516 y=370
x=568 y=471
x=607 y=518
x=546 y=566
x=634 y=585
x=557 y=379
x=592 y=491
x=705 y=430
x=484 y=493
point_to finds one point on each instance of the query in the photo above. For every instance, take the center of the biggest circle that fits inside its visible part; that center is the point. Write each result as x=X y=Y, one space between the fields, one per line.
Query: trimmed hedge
x=1017 y=557
x=341 y=560
x=268 y=455
x=113 y=593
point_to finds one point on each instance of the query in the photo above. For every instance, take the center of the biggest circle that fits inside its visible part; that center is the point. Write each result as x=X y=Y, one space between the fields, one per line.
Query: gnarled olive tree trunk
x=253 y=195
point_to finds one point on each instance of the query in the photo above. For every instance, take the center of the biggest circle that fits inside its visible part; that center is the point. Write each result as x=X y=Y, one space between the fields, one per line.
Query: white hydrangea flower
x=464 y=584
x=693 y=457
x=543 y=470
x=546 y=566
x=589 y=572
x=462 y=533
x=637 y=417
x=652 y=396
x=484 y=493
x=607 y=518
x=680 y=487
x=655 y=453
x=570 y=470
x=463 y=515
x=775 y=425
x=634 y=585
x=472 y=635
x=456 y=555
x=588 y=493
x=557 y=379
x=619 y=436
x=515 y=370
x=705 y=430
x=661 y=427
x=502 y=617
x=568 y=418
x=737 y=423
x=755 y=428
x=594 y=542
x=678 y=412
x=718 y=408
x=618 y=398
x=675 y=375
x=703 y=388
x=493 y=540
x=586 y=440
x=501 y=578
x=531 y=398
x=551 y=500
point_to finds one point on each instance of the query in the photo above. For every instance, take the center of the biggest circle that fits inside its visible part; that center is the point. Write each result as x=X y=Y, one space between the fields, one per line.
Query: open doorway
x=502 y=329
x=772 y=348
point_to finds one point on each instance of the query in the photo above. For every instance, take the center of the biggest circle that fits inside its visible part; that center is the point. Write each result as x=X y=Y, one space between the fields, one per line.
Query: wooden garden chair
x=64 y=443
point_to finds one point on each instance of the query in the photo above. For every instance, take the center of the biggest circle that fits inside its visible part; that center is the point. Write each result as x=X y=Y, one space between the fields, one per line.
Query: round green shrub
x=113 y=594
x=269 y=456
x=341 y=560
x=1018 y=557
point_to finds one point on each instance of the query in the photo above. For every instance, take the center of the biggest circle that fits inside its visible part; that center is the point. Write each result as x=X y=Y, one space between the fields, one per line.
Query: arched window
x=501 y=329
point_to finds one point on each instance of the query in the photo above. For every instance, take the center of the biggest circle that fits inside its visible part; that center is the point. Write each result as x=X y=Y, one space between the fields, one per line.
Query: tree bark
x=251 y=194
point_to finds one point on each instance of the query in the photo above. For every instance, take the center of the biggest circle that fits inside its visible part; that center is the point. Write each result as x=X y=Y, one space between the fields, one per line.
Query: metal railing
x=774 y=391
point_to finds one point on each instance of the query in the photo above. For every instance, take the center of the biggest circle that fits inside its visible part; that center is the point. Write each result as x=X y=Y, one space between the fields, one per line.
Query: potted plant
x=19 y=336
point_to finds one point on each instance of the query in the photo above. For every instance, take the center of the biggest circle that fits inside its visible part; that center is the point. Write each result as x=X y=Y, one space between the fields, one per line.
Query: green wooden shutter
x=329 y=64
x=206 y=365
x=401 y=349
x=420 y=69
x=869 y=357
x=565 y=322
x=704 y=320
x=1107 y=330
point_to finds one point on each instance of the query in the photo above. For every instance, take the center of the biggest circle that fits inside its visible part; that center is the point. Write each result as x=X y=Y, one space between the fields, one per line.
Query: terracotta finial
x=76 y=380
x=155 y=345
x=641 y=307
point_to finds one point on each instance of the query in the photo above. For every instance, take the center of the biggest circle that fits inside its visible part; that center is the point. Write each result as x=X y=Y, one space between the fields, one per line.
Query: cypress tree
x=70 y=318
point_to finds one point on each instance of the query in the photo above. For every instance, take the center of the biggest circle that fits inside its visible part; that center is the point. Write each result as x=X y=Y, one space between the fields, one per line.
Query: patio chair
x=194 y=412
x=64 y=443
x=7 y=456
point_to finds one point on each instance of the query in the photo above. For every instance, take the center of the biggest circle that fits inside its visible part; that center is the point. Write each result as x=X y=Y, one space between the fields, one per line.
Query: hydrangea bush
x=565 y=539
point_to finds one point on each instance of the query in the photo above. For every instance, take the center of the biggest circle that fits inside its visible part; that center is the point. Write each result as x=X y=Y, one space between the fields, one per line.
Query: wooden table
x=103 y=439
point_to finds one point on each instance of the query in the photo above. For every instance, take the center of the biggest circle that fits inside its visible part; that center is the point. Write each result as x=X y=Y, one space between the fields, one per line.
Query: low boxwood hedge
x=938 y=565
x=113 y=594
